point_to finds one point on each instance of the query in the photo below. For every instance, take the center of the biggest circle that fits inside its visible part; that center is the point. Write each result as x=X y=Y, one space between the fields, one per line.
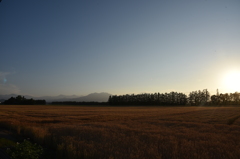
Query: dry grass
x=129 y=132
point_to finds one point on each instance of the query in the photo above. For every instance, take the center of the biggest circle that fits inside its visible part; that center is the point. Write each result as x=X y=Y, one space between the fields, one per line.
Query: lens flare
x=232 y=81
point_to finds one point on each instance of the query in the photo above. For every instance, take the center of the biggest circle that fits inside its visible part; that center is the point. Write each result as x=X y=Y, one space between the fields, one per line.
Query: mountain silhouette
x=93 y=97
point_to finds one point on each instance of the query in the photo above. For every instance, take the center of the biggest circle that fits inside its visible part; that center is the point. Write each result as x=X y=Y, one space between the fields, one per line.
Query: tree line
x=195 y=98
x=21 y=100
x=78 y=103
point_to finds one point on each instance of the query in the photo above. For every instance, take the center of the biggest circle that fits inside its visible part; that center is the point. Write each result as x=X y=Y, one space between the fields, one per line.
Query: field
x=129 y=132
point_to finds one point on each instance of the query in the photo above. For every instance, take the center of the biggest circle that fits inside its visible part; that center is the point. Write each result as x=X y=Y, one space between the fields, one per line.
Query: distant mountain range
x=93 y=97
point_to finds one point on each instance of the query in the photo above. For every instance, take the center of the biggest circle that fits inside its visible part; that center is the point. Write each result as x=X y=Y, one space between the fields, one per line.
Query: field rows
x=130 y=132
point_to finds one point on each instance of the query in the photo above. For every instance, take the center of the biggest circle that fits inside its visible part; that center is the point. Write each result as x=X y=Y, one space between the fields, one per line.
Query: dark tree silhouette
x=199 y=97
x=225 y=99
x=21 y=100
x=172 y=98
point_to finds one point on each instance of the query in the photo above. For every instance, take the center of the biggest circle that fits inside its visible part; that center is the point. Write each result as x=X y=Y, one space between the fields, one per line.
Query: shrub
x=26 y=150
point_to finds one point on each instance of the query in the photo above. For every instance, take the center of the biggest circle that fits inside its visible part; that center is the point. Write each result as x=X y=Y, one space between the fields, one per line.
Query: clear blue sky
x=120 y=47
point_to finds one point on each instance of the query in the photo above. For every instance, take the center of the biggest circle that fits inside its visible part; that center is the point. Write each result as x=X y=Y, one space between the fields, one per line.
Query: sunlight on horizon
x=231 y=81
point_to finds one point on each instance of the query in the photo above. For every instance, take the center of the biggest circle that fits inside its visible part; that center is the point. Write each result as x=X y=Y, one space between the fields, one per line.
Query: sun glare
x=232 y=81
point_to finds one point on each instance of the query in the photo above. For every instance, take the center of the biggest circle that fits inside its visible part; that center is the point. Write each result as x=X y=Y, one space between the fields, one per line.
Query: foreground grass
x=129 y=132
x=6 y=143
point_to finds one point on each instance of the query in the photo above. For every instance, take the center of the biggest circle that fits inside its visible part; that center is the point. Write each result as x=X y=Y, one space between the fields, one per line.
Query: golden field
x=129 y=132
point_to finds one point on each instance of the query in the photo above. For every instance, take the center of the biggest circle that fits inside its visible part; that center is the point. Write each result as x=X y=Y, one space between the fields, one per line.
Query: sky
x=120 y=47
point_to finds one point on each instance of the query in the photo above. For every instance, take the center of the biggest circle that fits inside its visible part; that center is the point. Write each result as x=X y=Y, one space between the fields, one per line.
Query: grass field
x=129 y=132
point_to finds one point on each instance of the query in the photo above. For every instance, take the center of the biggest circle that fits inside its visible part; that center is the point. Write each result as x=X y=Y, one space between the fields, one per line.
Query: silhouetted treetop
x=195 y=98
x=21 y=100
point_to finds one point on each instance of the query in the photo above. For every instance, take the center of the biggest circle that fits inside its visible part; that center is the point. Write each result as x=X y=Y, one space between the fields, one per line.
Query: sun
x=232 y=81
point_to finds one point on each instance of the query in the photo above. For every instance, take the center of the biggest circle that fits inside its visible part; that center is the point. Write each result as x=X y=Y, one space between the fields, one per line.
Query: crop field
x=129 y=132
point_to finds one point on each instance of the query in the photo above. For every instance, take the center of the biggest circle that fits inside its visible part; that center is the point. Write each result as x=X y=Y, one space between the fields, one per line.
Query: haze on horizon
x=120 y=47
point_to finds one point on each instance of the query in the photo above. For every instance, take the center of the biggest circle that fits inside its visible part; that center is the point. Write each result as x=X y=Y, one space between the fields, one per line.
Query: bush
x=26 y=150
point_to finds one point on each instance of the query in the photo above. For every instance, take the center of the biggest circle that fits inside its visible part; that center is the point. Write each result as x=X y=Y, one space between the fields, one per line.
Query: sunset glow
x=232 y=81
